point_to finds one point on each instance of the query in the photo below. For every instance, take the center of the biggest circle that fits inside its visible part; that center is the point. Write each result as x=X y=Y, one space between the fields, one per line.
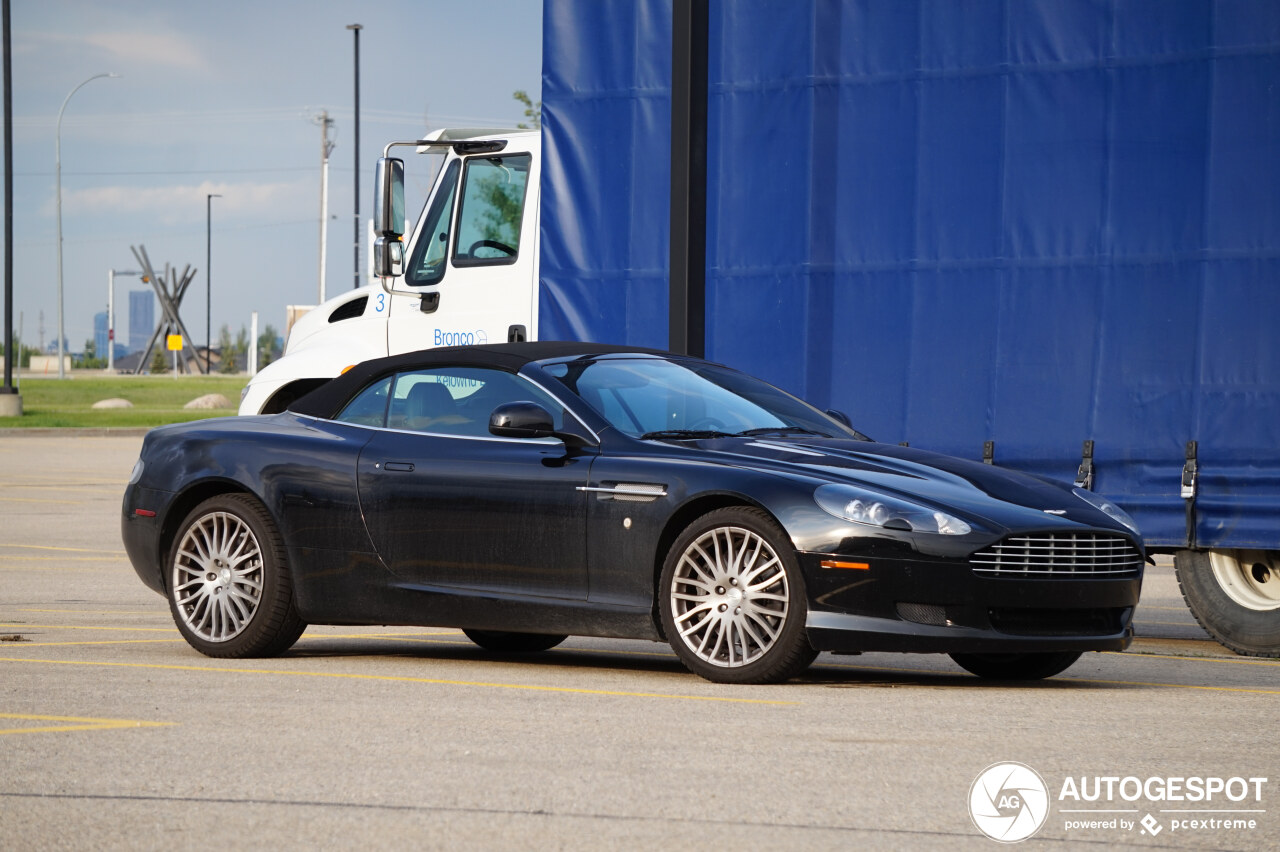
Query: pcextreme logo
x=1009 y=802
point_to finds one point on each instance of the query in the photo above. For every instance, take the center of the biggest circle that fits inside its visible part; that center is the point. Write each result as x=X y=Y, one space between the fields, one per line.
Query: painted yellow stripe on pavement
x=1231 y=660
x=37 y=500
x=23 y=626
x=1061 y=679
x=156 y=612
x=80 y=724
x=25 y=644
x=22 y=557
x=529 y=687
x=65 y=549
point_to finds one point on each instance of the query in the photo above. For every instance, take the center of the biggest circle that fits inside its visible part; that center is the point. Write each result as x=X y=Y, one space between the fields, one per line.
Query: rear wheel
x=732 y=599
x=229 y=586
x=1235 y=595
x=505 y=642
x=1034 y=666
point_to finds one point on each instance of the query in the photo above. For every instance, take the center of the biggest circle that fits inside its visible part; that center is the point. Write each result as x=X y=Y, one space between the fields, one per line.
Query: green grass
x=156 y=400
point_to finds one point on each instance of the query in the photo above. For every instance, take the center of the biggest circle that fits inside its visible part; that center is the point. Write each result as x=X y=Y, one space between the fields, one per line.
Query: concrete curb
x=77 y=432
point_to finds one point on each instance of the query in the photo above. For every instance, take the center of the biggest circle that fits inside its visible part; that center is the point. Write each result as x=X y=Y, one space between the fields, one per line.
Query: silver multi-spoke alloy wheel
x=217 y=576
x=230 y=590
x=730 y=596
x=732 y=600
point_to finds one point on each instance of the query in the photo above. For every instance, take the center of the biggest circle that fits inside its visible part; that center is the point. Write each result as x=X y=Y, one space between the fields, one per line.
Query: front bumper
x=942 y=606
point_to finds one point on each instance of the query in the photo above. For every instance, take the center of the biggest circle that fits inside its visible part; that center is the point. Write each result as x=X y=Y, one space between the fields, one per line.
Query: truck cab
x=469 y=272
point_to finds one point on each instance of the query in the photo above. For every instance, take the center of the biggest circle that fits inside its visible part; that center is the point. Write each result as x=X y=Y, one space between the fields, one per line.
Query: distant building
x=142 y=318
x=100 y=333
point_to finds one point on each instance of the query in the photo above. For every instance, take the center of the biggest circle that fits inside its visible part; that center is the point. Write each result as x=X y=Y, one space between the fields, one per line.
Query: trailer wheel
x=1235 y=595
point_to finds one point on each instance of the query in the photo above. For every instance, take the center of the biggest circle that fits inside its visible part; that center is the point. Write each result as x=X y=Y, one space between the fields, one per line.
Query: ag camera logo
x=1008 y=802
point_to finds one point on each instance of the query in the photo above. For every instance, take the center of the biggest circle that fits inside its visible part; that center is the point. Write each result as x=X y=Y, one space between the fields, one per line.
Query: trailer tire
x=1235 y=596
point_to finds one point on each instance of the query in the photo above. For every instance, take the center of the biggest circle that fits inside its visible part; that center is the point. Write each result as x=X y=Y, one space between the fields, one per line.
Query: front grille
x=1059 y=555
x=1060 y=622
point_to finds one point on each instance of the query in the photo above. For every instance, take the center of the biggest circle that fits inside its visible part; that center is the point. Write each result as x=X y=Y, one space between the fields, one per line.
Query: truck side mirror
x=388 y=257
x=388 y=207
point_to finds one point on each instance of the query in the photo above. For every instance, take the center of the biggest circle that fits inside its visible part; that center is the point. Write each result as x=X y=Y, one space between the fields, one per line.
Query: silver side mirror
x=388 y=207
x=388 y=257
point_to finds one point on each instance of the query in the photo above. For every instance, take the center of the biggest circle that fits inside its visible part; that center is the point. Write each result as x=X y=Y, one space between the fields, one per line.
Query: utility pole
x=10 y=398
x=326 y=148
x=355 y=31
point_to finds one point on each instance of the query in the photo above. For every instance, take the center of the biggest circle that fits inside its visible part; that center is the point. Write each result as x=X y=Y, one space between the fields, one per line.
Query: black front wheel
x=1034 y=666
x=732 y=599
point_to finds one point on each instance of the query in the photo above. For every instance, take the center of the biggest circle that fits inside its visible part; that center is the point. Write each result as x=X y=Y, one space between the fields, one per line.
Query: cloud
x=158 y=49
x=178 y=204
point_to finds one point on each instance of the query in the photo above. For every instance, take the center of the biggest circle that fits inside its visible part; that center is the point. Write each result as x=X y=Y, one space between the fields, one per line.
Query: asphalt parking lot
x=116 y=734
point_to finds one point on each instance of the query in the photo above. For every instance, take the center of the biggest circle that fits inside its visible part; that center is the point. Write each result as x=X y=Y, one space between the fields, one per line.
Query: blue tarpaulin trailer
x=1043 y=233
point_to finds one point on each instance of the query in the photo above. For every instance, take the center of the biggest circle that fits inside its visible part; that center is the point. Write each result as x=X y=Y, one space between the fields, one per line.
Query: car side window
x=459 y=400
x=369 y=408
x=491 y=211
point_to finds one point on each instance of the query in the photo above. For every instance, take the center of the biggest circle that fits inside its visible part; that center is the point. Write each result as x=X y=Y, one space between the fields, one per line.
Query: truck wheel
x=1235 y=595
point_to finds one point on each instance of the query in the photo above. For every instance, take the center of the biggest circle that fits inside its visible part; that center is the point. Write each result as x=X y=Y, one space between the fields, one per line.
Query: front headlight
x=1108 y=508
x=137 y=472
x=873 y=509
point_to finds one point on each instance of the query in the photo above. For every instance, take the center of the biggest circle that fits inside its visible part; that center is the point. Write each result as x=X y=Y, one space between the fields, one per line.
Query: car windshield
x=656 y=398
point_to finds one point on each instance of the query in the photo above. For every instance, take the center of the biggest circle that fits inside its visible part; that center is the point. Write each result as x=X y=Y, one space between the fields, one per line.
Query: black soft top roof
x=328 y=399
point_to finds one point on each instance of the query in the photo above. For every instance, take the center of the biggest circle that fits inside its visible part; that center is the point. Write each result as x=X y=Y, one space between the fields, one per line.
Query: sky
x=221 y=98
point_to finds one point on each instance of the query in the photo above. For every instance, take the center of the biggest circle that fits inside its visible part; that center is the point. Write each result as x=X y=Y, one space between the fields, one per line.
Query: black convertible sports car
x=526 y=492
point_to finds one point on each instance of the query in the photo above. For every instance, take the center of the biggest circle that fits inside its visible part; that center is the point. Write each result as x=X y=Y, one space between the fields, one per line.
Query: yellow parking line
x=37 y=500
x=66 y=549
x=24 y=626
x=398 y=679
x=81 y=724
x=22 y=557
x=1143 y=622
x=1232 y=660
x=99 y=642
x=101 y=611
x=1064 y=679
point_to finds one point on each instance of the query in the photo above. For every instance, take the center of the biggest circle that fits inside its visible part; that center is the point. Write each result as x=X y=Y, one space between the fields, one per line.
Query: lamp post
x=111 y=314
x=208 y=279
x=355 y=31
x=57 y=170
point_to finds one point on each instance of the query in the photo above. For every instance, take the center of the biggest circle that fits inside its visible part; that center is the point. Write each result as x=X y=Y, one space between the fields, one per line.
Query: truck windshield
x=427 y=264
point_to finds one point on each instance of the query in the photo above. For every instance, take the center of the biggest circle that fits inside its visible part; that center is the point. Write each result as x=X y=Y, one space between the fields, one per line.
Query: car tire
x=732 y=600
x=228 y=581
x=1233 y=595
x=506 y=642
x=1033 y=666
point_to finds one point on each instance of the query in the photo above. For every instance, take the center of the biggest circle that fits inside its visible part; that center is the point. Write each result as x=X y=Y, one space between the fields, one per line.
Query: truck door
x=474 y=262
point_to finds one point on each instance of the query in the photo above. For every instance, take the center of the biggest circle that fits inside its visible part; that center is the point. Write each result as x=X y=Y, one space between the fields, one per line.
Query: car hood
x=995 y=496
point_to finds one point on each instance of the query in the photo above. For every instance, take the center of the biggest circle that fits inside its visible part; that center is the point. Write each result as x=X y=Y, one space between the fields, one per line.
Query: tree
x=228 y=351
x=89 y=359
x=158 y=363
x=269 y=348
x=532 y=110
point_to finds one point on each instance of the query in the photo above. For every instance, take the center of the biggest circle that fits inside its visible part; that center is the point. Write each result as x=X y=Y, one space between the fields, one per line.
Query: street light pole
x=355 y=31
x=57 y=169
x=208 y=279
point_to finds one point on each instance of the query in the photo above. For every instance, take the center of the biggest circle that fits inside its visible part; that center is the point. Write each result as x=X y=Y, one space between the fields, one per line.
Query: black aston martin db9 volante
x=527 y=492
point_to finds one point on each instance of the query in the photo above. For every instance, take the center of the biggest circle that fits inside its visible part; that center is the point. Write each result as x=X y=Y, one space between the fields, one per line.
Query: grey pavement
x=115 y=734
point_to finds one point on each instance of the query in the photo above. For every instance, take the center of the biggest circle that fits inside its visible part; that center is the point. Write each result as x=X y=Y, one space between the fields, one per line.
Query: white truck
x=468 y=273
